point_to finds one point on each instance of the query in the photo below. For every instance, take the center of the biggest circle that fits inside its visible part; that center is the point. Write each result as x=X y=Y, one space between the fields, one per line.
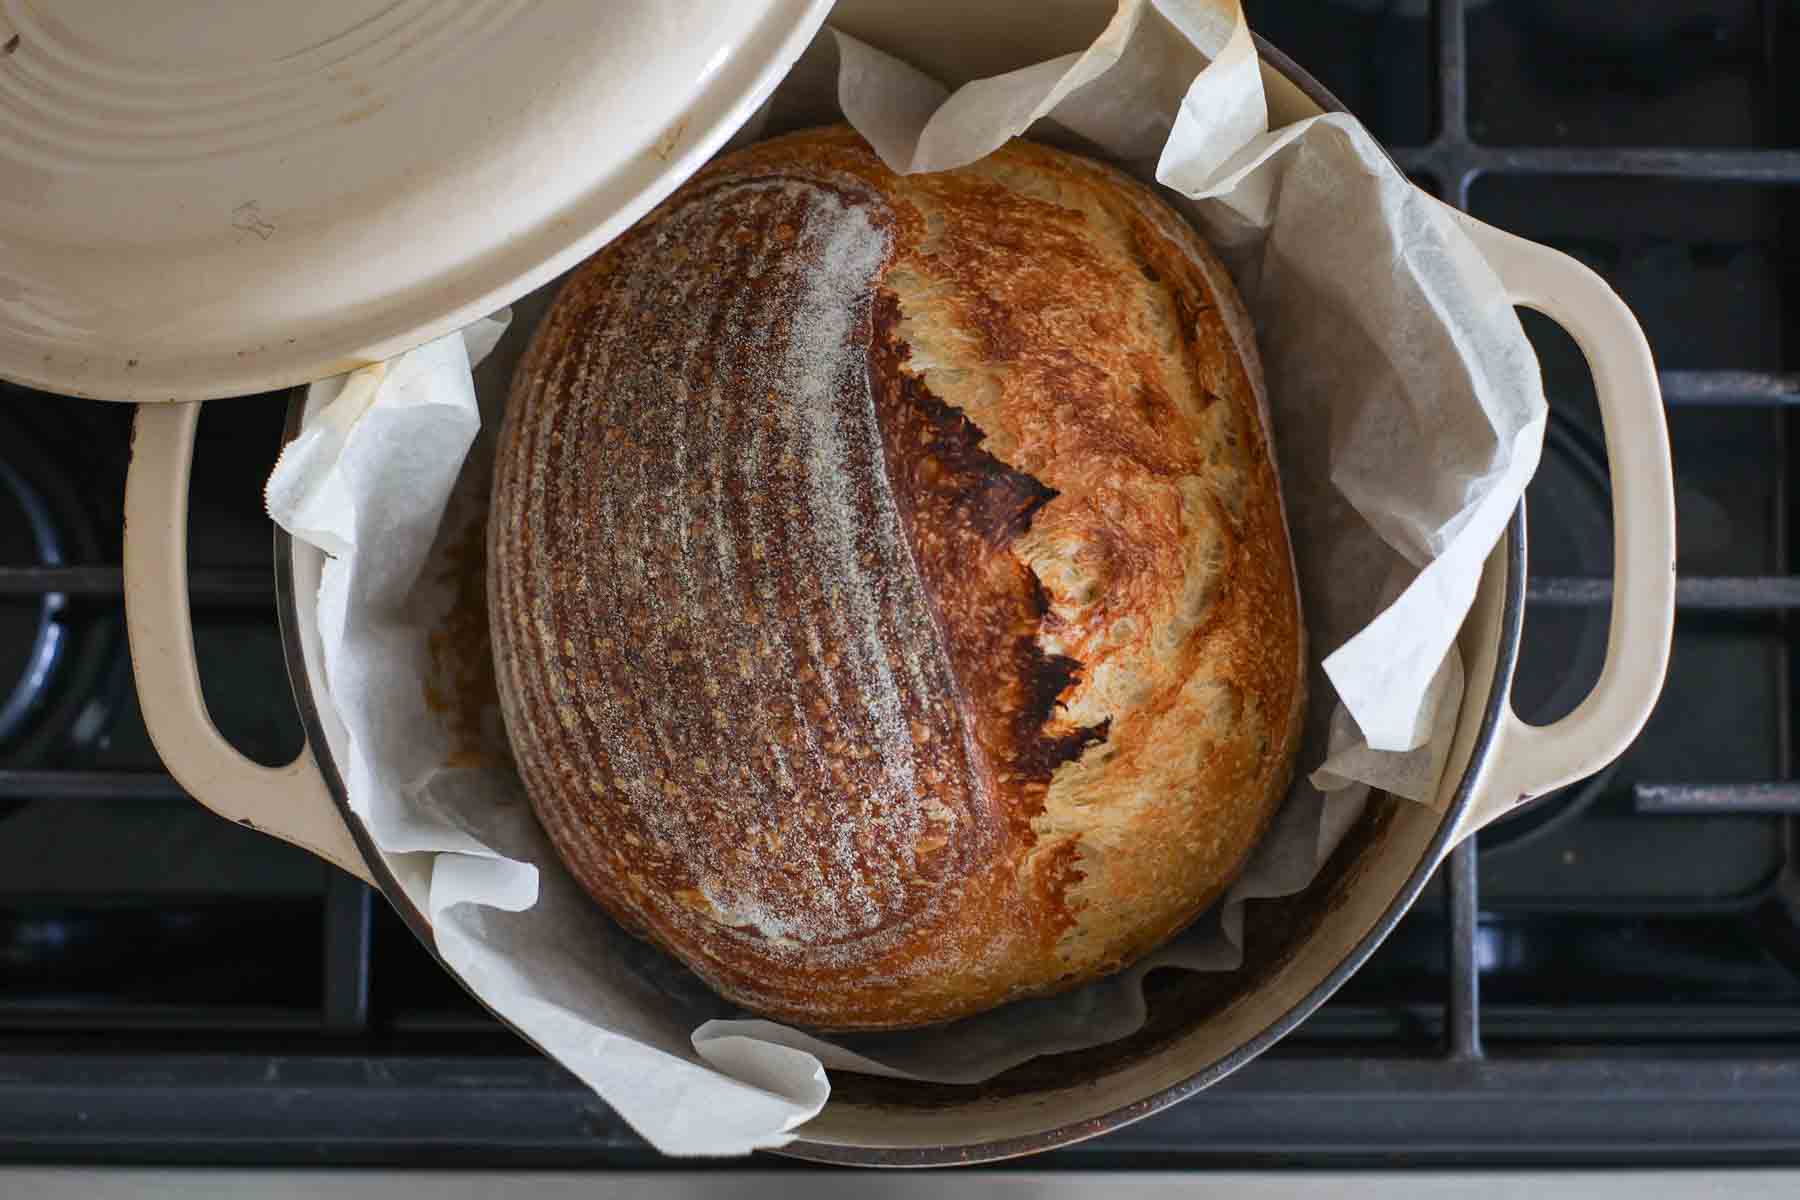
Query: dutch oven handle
x=290 y=802
x=1530 y=760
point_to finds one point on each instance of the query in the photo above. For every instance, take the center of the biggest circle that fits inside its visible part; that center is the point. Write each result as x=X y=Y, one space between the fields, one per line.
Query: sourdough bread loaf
x=892 y=605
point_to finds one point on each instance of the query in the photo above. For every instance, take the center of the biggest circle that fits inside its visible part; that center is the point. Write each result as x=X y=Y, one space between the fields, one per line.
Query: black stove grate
x=277 y=1013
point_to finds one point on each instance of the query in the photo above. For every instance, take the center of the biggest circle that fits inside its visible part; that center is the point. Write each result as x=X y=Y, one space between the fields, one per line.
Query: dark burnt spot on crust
x=962 y=509
x=996 y=501
x=1047 y=678
x=1051 y=751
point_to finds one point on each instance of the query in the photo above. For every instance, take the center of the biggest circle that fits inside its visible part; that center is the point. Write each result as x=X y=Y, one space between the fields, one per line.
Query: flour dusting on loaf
x=892 y=607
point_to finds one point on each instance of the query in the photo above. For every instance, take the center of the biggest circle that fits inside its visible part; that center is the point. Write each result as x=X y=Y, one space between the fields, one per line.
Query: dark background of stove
x=1637 y=945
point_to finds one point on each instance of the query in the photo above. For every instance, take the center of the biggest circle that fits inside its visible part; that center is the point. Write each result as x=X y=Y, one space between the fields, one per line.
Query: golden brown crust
x=890 y=592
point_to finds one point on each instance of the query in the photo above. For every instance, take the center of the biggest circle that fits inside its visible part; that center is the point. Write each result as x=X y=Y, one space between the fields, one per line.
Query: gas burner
x=32 y=640
x=53 y=651
x=1569 y=506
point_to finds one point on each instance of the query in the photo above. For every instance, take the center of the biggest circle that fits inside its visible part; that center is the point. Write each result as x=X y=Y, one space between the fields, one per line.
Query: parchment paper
x=1408 y=415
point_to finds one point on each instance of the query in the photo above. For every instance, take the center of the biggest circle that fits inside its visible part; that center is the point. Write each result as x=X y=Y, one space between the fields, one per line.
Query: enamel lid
x=202 y=199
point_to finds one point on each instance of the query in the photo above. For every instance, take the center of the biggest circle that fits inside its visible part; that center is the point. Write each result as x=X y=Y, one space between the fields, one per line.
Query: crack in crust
x=963 y=510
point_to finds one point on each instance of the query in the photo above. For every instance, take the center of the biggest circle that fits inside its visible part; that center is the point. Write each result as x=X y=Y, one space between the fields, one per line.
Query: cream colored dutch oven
x=1201 y=1027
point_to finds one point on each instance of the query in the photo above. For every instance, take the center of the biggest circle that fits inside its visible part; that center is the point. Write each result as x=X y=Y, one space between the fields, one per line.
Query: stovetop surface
x=1637 y=935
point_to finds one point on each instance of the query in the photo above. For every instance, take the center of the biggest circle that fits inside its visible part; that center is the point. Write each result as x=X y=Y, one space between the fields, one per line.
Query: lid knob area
x=202 y=200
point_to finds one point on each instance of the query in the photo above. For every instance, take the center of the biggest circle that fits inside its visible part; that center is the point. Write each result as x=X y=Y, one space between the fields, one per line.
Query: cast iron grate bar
x=1452 y=76
x=206 y=585
x=349 y=916
x=1462 y=1002
x=1458 y=161
x=1291 y=1109
x=1694 y=593
x=1740 y=388
x=1708 y=799
x=88 y=785
x=136 y=1017
x=1462 y=1015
